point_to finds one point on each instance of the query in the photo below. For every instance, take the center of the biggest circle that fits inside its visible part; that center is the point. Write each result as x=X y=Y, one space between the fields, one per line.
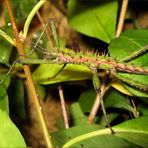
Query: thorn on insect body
x=115 y=59
x=80 y=56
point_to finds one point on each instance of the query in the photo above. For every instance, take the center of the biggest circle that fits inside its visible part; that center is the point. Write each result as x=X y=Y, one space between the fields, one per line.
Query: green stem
x=30 y=17
x=7 y=37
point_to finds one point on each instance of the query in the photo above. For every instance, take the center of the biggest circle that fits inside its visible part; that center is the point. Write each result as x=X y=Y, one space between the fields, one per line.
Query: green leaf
x=107 y=141
x=135 y=130
x=9 y=135
x=137 y=92
x=87 y=99
x=115 y=99
x=21 y=10
x=5 y=51
x=61 y=137
x=129 y=43
x=94 y=18
x=111 y=117
x=77 y=116
x=70 y=73
x=112 y=98
x=6 y=83
x=3 y=99
x=41 y=91
x=17 y=98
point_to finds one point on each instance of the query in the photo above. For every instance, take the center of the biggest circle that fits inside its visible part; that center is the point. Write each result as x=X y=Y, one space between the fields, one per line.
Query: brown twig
x=94 y=109
x=121 y=17
x=135 y=112
x=21 y=51
x=96 y=105
x=63 y=105
x=61 y=94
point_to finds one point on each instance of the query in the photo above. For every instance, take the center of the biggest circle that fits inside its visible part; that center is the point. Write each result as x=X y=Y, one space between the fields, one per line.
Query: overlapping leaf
x=134 y=131
x=70 y=73
x=130 y=43
x=9 y=135
x=94 y=18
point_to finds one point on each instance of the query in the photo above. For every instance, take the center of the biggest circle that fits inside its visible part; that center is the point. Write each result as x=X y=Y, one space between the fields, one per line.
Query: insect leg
x=135 y=54
x=35 y=46
x=101 y=89
x=54 y=32
x=58 y=72
x=105 y=115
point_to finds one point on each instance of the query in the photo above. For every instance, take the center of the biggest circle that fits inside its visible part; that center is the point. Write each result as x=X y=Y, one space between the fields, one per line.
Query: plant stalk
x=26 y=68
x=63 y=105
x=94 y=109
x=121 y=17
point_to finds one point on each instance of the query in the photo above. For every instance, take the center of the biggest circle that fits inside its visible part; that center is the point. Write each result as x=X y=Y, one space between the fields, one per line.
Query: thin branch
x=121 y=17
x=94 y=109
x=30 y=17
x=21 y=51
x=96 y=105
x=47 y=30
x=135 y=112
x=104 y=111
x=63 y=105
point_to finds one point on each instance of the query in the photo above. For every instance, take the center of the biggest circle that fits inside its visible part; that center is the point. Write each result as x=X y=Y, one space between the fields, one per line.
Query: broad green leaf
x=60 y=123
x=5 y=51
x=61 y=137
x=41 y=91
x=21 y=10
x=17 y=98
x=137 y=92
x=6 y=82
x=120 y=87
x=9 y=135
x=87 y=99
x=111 y=117
x=70 y=73
x=103 y=141
x=77 y=116
x=94 y=18
x=128 y=43
x=135 y=130
x=115 y=99
x=3 y=99
x=65 y=136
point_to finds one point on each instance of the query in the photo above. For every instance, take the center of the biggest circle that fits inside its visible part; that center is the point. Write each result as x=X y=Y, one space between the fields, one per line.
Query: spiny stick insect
x=103 y=68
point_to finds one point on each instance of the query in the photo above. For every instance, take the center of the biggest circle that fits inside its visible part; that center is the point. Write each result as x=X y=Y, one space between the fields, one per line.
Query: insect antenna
x=54 y=32
x=9 y=71
x=36 y=44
